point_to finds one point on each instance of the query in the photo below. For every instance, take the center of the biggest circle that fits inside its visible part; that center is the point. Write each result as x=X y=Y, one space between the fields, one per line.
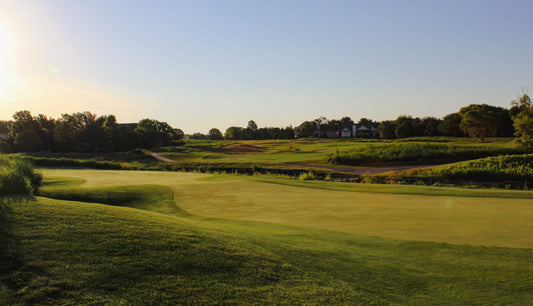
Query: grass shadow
x=11 y=251
x=154 y=198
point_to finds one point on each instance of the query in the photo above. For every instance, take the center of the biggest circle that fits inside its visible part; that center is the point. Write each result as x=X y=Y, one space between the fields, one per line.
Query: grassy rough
x=419 y=153
x=508 y=167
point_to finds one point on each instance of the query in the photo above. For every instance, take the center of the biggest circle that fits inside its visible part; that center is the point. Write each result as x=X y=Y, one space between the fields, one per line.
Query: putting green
x=453 y=219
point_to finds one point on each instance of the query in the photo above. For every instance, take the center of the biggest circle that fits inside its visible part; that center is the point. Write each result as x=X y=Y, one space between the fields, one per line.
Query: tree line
x=475 y=120
x=250 y=132
x=87 y=132
x=83 y=132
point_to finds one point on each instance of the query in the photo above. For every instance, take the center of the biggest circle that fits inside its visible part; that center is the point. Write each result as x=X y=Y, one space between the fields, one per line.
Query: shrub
x=307 y=176
x=17 y=176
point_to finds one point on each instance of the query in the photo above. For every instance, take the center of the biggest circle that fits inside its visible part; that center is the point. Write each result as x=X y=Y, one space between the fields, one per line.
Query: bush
x=17 y=176
x=309 y=176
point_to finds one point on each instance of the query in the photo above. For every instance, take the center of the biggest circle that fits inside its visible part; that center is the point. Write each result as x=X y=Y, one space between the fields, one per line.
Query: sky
x=204 y=64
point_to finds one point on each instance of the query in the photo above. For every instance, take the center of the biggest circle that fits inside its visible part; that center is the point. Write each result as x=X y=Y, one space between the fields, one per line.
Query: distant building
x=357 y=130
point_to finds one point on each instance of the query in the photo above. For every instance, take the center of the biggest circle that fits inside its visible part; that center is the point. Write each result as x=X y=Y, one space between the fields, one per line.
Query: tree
x=523 y=103
x=215 y=134
x=153 y=133
x=346 y=122
x=252 y=125
x=178 y=134
x=430 y=126
x=480 y=120
x=523 y=124
x=198 y=135
x=25 y=132
x=233 y=133
x=367 y=122
x=110 y=122
x=307 y=129
x=28 y=140
x=69 y=132
x=523 y=120
x=387 y=129
x=46 y=132
x=404 y=127
x=450 y=125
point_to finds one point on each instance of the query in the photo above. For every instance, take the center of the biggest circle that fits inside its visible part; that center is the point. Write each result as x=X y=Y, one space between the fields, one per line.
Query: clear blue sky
x=204 y=64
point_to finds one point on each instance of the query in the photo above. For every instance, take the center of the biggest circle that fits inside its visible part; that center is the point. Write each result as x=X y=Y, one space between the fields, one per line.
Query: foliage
x=309 y=176
x=496 y=168
x=307 y=129
x=215 y=134
x=482 y=120
x=522 y=112
x=416 y=153
x=387 y=129
x=450 y=125
x=253 y=132
x=523 y=104
x=154 y=133
x=523 y=124
x=17 y=176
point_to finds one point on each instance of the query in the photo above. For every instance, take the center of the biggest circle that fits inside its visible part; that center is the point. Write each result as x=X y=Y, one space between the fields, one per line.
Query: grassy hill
x=139 y=247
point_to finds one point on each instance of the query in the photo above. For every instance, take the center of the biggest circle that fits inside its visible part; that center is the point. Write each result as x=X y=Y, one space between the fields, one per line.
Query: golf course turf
x=126 y=237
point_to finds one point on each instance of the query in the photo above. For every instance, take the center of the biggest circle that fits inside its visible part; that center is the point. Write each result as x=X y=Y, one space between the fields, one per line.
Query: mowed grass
x=324 y=151
x=65 y=252
x=504 y=220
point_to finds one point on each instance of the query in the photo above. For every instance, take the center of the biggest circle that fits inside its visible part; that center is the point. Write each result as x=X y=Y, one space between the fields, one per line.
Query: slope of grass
x=147 y=197
x=81 y=253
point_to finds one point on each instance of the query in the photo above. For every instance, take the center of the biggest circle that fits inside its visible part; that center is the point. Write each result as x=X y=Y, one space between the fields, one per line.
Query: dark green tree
x=252 y=125
x=387 y=129
x=307 y=129
x=233 y=133
x=523 y=119
x=430 y=126
x=153 y=133
x=480 y=120
x=450 y=125
x=215 y=134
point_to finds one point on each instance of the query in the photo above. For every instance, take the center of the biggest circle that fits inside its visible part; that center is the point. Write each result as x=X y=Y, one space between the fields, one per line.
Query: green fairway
x=478 y=220
x=64 y=252
x=320 y=151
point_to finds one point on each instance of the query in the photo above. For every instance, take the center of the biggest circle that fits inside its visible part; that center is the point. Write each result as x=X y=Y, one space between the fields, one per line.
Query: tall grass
x=17 y=176
x=412 y=153
x=508 y=167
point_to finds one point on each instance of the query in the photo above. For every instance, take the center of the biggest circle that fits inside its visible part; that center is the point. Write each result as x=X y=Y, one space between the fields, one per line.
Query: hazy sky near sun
x=202 y=64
